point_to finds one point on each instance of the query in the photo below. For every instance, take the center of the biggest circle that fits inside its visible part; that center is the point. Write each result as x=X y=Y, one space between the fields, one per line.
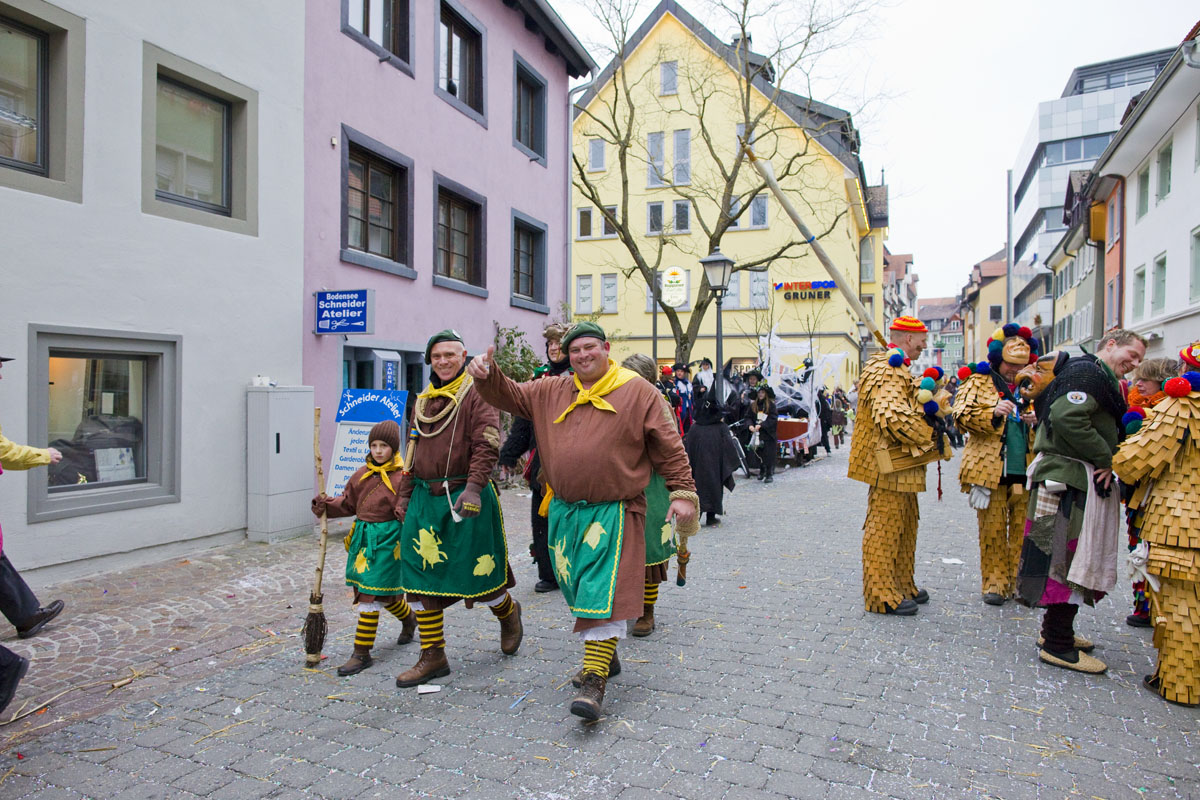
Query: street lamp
x=717 y=269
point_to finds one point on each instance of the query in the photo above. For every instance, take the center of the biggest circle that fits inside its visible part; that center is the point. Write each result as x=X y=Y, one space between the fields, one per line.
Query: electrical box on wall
x=279 y=462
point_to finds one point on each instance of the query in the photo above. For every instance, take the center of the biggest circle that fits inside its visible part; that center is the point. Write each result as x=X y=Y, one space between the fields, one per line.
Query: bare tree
x=720 y=185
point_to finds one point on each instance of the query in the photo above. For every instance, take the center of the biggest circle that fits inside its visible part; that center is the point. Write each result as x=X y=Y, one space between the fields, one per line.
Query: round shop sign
x=674 y=287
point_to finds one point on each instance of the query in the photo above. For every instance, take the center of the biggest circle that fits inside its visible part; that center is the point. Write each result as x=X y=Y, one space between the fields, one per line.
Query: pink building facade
x=436 y=170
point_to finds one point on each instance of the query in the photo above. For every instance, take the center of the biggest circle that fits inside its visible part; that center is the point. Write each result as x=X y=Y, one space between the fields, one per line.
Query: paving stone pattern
x=765 y=679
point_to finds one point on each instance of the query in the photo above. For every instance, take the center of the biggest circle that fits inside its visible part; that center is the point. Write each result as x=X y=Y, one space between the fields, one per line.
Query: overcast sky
x=951 y=89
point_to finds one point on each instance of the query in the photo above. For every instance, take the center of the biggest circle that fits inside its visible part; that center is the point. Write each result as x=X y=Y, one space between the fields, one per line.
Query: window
x=23 y=54
x=683 y=158
x=383 y=26
x=1197 y=137
x=584 y=226
x=654 y=217
x=687 y=284
x=1138 y=299
x=458 y=236
x=529 y=263
x=995 y=313
x=608 y=228
x=1158 y=297
x=866 y=260
x=1110 y=304
x=655 y=171
x=758 y=211
x=595 y=155
x=109 y=402
x=760 y=290
x=608 y=293
x=529 y=111
x=1143 y=191
x=375 y=192
x=735 y=210
x=1164 y=172
x=1114 y=219
x=460 y=61
x=668 y=72
x=583 y=294
x=192 y=132
x=1054 y=219
x=199 y=145
x=41 y=99
x=1194 y=291
x=733 y=292
x=682 y=223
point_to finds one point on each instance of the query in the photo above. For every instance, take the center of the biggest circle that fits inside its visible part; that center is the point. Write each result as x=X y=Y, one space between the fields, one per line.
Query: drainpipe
x=583 y=87
x=1190 y=56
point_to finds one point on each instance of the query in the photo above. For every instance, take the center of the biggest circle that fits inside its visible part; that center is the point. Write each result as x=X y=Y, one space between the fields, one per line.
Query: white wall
x=234 y=299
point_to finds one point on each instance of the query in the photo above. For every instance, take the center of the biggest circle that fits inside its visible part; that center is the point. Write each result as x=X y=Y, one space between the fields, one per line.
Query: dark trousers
x=825 y=439
x=541 y=539
x=17 y=601
x=1058 y=627
x=768 y=453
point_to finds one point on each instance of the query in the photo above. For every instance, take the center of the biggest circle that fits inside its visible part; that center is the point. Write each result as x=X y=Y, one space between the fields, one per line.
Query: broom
x=313 y=632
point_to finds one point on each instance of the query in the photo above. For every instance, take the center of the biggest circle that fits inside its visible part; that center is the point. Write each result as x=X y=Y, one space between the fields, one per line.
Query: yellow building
x=656 y=178
x=983 y=302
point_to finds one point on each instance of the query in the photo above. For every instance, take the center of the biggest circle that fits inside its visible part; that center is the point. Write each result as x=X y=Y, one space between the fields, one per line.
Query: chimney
x=737 y=41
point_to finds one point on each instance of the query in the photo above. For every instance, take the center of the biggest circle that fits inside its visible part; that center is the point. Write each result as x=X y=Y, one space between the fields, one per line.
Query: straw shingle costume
x=1164 y=455
x=995 y=459
x=887 y=414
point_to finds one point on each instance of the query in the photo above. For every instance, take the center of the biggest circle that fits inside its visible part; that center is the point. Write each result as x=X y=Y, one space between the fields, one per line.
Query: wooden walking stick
x=682 y=557
x=313 y=632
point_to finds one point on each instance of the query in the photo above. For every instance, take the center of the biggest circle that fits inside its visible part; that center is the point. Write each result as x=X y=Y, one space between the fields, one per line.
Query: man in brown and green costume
x=601 y=432
x=452 y=542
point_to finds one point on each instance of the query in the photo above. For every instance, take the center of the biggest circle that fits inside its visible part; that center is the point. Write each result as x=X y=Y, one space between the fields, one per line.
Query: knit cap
x=387 y=432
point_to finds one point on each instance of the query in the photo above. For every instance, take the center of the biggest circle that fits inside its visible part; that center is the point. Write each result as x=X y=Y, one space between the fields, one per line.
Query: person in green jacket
x=1081 y=427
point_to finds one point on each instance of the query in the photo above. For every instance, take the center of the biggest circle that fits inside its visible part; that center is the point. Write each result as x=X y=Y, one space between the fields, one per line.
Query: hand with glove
x=318 y=503
x=980 y=497
x=469 y=501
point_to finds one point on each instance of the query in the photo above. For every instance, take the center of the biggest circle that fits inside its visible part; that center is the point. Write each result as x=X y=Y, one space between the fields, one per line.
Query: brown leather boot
x=645 y=624
x=359 y=660
x=409 y=629
x=614 y=668
x=591 y=697
x=511 y=631
x=432 y=664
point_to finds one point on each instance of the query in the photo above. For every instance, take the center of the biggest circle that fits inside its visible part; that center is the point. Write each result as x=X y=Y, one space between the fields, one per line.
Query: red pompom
x=891 y=345
x=964 y=373
x=1177 y=387
x=1025 y=333
x=1033 y=358
x=1141 y=412
x=930 y=373
x=908 y=363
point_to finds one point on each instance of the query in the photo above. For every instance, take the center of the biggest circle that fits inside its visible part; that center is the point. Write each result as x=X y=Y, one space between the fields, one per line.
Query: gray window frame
x=61 y=151
x=866 y=269
x=687 y=209
x=1158 y=300
x=360 y=258
x=681 y=167
x=616 y=284
x=662 y=73
x=593 y=166
x=383 y=54
x=656 y=171
x=732 y=301
x=523 y=70
x=162 y=426
x=472 y=22
x=662 y=222
x=591 y=222
x=541 y=233
x=760 y=278
x=225 y=207
x=242 y=141
x=441 y=182
x=1167 y=149
x=579 y=279
x=37 y=167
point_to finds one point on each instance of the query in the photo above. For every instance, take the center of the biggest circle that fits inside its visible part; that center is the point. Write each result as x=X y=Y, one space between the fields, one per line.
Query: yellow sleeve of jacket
x=974 y=405
x=20 y=456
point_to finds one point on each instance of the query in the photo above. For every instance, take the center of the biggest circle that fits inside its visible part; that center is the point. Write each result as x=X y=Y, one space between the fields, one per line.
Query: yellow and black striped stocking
x=651 y=595
x=598 y=654
x=364 y=634
x=504 y=608
x=400 y=609
x=429 y=623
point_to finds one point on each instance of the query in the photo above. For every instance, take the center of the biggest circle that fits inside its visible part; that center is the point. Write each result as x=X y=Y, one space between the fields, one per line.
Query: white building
x=1067 y=133
x=151 y=188
x=1157 y=156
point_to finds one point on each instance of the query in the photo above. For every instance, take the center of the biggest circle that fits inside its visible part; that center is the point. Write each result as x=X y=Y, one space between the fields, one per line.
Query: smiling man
x=452 y=544
x=600 y=433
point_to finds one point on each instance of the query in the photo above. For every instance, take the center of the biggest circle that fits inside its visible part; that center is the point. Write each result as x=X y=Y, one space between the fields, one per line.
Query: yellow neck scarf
x=615 y=378
x=450 y=390
x=382 y=471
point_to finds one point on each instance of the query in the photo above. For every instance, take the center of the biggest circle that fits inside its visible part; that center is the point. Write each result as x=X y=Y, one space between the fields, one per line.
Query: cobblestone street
x=765 y=679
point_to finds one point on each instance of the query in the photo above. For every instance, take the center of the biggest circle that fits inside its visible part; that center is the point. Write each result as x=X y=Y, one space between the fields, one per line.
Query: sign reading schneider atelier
x=806 y=290
x=345 y=311
x=359 y=410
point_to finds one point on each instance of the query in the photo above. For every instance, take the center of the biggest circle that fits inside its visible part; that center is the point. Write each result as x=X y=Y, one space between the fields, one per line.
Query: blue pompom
x=896 y=359
x=941 y=372
x=1011 y=329
x=928 y=383
x=1193 y=378
x=1133 y=426
x=1129 y=417
x=1035 y=346
x=983 y=368
x=931 y=408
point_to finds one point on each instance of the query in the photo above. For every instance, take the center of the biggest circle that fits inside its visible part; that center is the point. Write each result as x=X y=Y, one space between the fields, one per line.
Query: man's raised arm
x=498 y=389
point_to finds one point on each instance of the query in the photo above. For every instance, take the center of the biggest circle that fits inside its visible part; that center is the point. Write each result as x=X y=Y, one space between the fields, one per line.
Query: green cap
x=448 y=335
x=581 y=330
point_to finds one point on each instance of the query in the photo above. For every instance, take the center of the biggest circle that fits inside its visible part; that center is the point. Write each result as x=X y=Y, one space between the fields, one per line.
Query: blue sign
x=389 y=375
x=345 y=311
x=371 y=405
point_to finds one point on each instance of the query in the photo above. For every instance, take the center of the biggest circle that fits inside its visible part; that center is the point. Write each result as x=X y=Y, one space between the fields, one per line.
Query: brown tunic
x=370 y=501
x=600 y=457
x=470 y=446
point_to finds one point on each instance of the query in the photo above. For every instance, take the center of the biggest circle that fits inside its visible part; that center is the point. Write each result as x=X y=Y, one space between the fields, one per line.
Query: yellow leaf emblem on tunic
x=562 y=564
x=427 y=548
x=485 y=565
x=398 y=550
x=667 y=533
x=360 y=563
x=593 y=534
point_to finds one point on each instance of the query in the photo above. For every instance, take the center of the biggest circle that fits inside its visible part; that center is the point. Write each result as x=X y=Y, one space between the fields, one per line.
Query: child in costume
x=373 y=544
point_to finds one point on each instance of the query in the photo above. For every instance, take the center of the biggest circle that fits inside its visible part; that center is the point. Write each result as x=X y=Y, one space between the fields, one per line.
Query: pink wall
x=345 y=84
